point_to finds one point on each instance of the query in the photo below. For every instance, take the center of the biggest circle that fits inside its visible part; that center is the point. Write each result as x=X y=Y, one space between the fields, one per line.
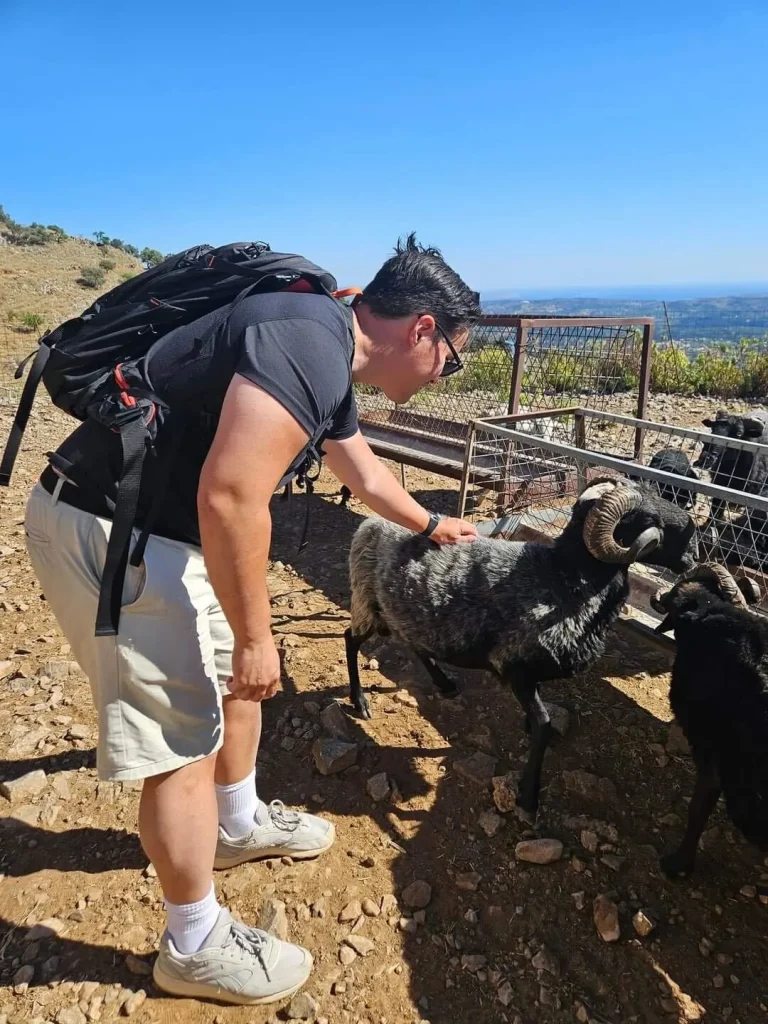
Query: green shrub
x=107 y=264
x=131 y=250
x=91 y=277
x=151 y=257
x=11 y=315
x=31 y=321
x=128 y=275
x=671 y=371
x=60 y=235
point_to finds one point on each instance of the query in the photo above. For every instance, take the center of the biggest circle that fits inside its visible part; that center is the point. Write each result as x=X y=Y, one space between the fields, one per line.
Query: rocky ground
x=436 y=904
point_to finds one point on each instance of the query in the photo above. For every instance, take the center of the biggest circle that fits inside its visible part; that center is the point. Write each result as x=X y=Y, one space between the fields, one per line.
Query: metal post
x=518 y=366
x=465 y=471
x=644 y=385
x=580 y=441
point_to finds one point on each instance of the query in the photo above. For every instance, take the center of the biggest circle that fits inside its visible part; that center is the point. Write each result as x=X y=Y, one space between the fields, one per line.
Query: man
x=178 y=690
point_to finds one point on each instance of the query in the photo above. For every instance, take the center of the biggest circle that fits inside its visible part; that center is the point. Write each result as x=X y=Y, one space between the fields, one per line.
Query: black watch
x=429 y=529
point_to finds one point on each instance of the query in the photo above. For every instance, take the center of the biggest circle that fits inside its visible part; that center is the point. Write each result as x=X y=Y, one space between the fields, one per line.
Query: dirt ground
x=500 y=940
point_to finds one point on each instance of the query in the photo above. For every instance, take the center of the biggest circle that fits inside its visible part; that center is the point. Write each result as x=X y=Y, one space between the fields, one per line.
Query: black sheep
x=672 y=460
x=719 y=696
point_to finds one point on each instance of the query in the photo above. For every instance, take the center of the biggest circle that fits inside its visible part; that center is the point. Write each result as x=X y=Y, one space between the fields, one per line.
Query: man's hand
x=255 y=670
x=453 y=531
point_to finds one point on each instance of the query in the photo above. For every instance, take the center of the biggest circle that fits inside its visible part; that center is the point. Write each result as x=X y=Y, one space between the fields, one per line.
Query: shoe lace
x=287 y=820
x=250 y=941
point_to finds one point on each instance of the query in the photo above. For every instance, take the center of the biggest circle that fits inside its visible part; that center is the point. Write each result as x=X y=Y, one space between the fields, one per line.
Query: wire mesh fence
x=514 y=363
x=528 y=470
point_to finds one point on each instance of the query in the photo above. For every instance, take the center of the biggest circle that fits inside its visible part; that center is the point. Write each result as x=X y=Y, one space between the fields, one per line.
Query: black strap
x=176 y=429
x=133 y=437
x=22 y=413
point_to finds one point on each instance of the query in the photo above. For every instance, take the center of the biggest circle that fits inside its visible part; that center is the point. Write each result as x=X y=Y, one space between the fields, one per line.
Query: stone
x=27 y=742
x=378 y=787
x=360 y=944
x=22 y=978
x=468 y=882
x=418 y=894
x=403 y=697
x=288 y=743
x=56 y=670
x=559 y=717
x=373 y=665
x=578 y=899
x=606 y=918
x=347 y=955
x=333 y=755
x=312 y=708
x=473 y=962
x=539 y=851
x=545 y=960
x=676 y=743
x=273 y=919
x=481 y=738
x=590 y=787
x=750 y=891
x=589 y=840
x=71 y=1015
x=479 y=768
x=388 y=904
x=370 y=908
x=47 y=929
x=137 y=966
x=78 y=731
x=612 y=861
x=303 y=1007
x=319 y=908
x=643 y=923
x=490 y=823
x=505 y=993
x=335 y=721
x=408 y=925
x=134 y=1002
x=25 y=787
x=351 y=911
x=505 y=791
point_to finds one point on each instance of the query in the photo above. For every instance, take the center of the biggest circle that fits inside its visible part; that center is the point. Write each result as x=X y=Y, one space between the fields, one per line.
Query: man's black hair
x=418 y=280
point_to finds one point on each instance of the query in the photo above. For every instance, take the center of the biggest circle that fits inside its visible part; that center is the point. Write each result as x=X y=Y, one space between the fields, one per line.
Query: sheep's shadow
x=517 y=908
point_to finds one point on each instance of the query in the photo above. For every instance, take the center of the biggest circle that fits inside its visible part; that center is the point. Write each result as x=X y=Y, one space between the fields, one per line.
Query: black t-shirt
x=297 y=347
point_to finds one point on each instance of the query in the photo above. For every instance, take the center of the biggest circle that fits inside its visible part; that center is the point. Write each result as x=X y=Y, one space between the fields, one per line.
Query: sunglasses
x=454 y=364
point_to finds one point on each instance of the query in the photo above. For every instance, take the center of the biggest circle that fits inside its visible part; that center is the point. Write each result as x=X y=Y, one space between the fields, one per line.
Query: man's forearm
x=381 y=492
x=235 y=538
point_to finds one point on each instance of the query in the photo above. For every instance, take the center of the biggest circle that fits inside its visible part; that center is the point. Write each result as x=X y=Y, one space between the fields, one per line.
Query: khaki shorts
x=158 y=684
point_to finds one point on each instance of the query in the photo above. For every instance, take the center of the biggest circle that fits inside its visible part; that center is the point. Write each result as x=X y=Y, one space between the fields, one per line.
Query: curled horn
x=711 y=572
x=603 y=518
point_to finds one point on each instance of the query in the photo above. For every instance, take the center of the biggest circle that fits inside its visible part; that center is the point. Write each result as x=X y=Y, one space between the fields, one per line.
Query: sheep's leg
x=446 y=686
x=706 y=793
x=352 y=644
x=541 y=734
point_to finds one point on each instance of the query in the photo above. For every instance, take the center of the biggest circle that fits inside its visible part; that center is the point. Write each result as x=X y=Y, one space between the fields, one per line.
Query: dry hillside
x=43 y=279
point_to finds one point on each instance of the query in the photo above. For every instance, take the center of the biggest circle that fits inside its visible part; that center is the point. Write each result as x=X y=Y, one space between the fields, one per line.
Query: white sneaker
x=281 y=833
x=238 y=964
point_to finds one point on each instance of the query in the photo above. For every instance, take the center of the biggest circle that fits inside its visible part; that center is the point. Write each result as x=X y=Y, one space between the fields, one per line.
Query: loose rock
x=468 y=882
x=403 y=697
x=134 y=1002
x=546 y=961
x=370 y=908
x=360 y=944
x=26 y=787
x=78 y=731
x=138 y=967
x=333 y=755
x=274 y=920
x=351 y=911
x=539 y=851
x=606 y=918
x=590 y=787
x=505 y=993
x=490 y=823
x=378 y=787
x=473 y=962
x=479 y=768
x=676 y=741
x=347 y=955
x=303 y=1007
x=643 y=923
x=335 y=722
x=505 y=791
x=47 y=929
x=559 y=717
x=70 y=1015
x=417 y=894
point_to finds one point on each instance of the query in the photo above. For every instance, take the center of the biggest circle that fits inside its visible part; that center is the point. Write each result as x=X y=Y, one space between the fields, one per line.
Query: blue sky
x=539 y=145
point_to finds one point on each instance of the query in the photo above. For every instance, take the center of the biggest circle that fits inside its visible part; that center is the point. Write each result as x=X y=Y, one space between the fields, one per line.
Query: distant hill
x=45 y=273
x=694 y=321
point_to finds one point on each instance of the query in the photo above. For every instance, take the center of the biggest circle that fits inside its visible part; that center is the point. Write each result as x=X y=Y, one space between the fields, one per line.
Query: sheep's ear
x=708 y=422
x=752 y=428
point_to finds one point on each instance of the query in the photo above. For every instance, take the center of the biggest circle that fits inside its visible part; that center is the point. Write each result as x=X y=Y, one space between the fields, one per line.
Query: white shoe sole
x=199 y=990
x=266 y=852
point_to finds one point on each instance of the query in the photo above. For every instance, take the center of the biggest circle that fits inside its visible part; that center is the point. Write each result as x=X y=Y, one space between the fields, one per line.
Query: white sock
x=190 y=924
x=238 y=805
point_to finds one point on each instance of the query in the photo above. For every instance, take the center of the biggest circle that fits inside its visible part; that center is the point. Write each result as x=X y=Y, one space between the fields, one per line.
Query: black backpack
x=92 y=367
